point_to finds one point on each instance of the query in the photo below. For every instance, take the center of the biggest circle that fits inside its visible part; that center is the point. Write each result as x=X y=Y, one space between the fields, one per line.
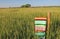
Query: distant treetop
x=26 y=5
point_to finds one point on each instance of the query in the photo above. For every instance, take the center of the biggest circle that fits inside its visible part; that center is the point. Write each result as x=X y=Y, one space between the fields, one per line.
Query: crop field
x=18 y=23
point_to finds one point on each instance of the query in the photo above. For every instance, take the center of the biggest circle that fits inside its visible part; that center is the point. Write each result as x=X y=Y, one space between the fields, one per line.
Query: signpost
x=40 y=27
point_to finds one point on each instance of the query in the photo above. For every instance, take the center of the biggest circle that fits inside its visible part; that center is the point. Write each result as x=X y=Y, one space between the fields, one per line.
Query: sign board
x=40 y=26
x=40 y=33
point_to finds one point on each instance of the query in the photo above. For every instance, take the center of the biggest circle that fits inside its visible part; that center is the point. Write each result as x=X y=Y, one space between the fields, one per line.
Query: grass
x=18 y=23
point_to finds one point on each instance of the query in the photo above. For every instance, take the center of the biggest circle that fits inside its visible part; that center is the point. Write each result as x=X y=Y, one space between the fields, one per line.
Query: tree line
x=26 y=5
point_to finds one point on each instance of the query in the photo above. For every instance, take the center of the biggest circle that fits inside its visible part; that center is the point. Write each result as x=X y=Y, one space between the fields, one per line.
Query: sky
x=17 y=3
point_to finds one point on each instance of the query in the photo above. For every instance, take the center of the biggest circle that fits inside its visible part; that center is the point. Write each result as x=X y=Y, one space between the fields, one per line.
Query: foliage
x=26 y=5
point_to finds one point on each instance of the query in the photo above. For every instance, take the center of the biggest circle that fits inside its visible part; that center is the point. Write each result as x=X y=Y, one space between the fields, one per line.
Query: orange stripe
x=40 y=18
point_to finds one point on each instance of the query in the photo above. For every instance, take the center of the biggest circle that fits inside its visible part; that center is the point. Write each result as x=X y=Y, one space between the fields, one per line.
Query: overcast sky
x=17 y=3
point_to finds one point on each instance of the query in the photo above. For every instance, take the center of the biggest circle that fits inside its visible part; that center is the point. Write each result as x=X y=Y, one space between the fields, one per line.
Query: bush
x=26 y=5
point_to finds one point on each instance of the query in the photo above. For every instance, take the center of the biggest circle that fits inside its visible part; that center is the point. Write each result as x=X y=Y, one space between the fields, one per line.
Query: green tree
x=26 y=5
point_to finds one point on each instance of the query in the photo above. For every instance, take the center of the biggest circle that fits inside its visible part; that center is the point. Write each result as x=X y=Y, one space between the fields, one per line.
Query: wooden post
x=48 y=25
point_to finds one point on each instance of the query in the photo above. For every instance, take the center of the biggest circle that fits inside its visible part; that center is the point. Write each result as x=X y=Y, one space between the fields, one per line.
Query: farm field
x=18 y=23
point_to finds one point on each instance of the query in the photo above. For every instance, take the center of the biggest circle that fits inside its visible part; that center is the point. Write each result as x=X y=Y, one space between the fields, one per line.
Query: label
x=40 y=33
x=40 y=22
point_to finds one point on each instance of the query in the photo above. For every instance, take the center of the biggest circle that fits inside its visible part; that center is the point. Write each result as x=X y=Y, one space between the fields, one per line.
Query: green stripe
x=40 y=33
x=40 y=25
x=40 y=22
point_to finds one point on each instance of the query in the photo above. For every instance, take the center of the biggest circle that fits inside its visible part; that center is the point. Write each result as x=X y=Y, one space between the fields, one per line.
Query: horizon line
x=32 y=6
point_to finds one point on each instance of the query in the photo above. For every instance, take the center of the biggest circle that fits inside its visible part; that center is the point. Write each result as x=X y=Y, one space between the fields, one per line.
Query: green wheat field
x=18 y=23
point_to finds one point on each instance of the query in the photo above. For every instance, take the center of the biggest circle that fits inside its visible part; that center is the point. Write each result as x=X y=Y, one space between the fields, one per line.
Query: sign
x=40 y=22
x=40 y=26
x=40 y=33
